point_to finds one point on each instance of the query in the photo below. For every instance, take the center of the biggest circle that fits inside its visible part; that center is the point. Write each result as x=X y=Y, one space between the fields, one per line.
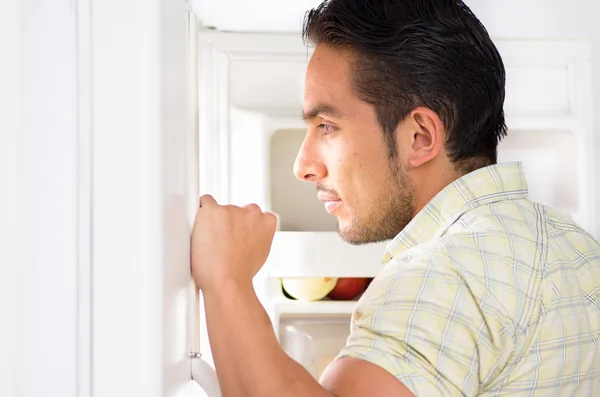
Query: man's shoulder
x=449 y=262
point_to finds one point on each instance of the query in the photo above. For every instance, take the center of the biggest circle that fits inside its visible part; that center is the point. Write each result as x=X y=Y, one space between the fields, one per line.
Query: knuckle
x=253 y=208
x=229 y=208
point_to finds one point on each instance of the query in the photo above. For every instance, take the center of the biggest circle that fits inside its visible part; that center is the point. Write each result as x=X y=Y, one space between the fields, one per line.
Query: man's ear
x=428 y=136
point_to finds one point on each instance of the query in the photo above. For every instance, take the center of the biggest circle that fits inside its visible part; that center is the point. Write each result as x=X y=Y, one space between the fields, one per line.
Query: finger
x=254 y=208
x=207 y=201
x=271 y=220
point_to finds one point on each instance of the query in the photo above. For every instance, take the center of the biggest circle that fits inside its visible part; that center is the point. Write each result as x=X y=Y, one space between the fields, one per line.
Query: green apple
x=309 y=289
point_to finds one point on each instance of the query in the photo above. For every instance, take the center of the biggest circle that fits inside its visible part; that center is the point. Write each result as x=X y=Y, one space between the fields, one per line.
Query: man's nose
x=308 y=166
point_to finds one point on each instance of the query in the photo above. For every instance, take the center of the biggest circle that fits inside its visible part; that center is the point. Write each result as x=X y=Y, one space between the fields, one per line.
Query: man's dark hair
x=411 y=53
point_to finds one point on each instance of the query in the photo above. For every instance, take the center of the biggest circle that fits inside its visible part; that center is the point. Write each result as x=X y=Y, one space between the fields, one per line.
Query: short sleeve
x=431 y=325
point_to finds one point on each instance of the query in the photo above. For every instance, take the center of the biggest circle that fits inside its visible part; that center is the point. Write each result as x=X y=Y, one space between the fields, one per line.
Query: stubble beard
x=387 y=219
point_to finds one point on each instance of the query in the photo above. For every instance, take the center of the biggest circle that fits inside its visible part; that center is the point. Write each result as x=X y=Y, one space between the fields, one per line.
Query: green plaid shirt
x=485 y=293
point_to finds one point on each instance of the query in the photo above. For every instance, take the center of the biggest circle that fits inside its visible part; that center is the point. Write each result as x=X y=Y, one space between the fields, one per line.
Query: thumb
x=207 y=201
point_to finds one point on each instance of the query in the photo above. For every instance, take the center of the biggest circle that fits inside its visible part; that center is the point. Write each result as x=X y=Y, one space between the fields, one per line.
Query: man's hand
x=229 y=243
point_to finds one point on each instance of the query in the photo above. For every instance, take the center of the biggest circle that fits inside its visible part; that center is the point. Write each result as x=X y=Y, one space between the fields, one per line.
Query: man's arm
x=228 y=246
x=250 y=362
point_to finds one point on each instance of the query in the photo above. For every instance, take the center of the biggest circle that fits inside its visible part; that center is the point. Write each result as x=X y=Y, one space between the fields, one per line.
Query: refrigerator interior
x=250 y=111
x=313 y=340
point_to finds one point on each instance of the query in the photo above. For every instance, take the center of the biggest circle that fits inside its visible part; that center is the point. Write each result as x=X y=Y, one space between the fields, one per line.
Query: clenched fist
x=229 y=243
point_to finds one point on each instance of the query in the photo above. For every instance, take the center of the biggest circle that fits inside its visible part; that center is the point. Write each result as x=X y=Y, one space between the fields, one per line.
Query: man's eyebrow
x=325 y=110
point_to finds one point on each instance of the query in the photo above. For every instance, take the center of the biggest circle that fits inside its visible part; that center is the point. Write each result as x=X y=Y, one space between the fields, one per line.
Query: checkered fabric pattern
x=485 y=293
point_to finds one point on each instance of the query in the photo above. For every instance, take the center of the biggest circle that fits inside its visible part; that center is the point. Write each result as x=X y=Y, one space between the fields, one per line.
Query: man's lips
x=332 y=203
x=327 y=197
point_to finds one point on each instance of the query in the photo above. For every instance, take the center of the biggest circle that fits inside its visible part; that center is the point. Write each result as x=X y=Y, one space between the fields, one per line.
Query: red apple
x=348 y=288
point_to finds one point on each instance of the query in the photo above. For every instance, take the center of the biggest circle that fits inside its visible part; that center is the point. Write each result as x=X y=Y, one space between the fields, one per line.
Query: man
x=484 y=293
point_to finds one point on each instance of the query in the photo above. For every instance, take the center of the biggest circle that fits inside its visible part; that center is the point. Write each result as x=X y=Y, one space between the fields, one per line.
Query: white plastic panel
x=314 y=341
x=546 y=79
x=537 y=90
x=249 y=160
x=558 y=163
x=284 y=78
x=548 y=159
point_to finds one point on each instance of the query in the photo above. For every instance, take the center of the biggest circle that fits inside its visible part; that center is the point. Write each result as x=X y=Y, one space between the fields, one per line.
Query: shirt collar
x=481 y=187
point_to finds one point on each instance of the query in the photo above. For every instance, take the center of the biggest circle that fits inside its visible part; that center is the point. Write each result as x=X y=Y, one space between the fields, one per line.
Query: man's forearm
x=248 y=358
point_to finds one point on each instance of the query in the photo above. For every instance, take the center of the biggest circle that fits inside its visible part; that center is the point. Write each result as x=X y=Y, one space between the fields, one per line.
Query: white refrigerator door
x=144 y=198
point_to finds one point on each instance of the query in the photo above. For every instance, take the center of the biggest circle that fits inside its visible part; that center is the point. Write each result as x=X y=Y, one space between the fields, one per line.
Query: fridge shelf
x=285 y=306
x=321 y=254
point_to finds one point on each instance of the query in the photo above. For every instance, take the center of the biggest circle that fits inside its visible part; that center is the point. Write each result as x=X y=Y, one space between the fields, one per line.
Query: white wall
x=540 y=19
x=9 y=120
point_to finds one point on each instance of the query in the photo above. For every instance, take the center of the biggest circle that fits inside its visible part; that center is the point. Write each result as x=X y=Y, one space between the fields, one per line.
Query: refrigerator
x=180 y=110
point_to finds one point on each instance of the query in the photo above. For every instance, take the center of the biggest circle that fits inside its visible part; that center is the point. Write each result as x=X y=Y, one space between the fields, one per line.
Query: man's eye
x=326 y=128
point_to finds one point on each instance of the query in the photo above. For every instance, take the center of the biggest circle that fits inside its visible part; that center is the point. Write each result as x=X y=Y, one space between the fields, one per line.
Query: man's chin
x=355 y=234
x=349 y=235
x=354 y=240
